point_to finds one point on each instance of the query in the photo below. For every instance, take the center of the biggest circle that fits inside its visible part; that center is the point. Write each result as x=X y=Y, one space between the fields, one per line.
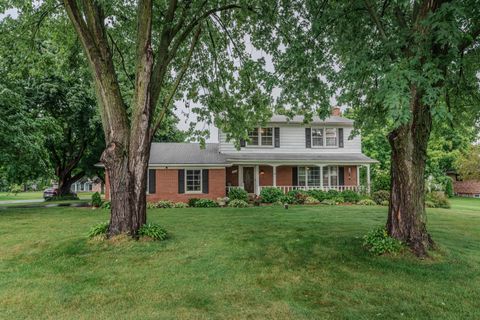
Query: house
x=86 y=184
x=286 y=154
x=464 y=188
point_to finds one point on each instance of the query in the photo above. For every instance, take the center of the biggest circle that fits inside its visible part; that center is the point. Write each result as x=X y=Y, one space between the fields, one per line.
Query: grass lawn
x=255 y=263
x=33 y=195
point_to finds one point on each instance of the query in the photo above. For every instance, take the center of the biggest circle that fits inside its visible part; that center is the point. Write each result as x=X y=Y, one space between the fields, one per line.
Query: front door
x=248 y=179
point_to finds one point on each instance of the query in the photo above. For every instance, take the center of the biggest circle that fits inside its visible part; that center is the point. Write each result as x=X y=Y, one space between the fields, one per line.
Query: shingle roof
x=315 y=120
x=192 y=154
x=316 y=157
x=185 y=153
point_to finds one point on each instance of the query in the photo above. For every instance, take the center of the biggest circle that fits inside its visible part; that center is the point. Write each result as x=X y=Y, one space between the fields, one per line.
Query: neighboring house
x=464 y=188
x=287 y=154
x=86 y=184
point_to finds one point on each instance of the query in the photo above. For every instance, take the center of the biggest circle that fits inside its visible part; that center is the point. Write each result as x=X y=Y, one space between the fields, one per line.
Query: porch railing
x=286 y=189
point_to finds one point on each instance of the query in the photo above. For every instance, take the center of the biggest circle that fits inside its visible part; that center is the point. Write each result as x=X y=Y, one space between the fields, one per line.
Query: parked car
x=50 y=193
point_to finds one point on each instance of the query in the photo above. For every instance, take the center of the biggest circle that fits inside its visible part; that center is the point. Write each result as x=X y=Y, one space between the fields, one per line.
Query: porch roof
x=300 y=158
x=186 y=154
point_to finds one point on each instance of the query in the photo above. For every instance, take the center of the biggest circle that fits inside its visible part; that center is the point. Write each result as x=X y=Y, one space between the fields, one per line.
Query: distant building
x=465 y=188
x=86 y=184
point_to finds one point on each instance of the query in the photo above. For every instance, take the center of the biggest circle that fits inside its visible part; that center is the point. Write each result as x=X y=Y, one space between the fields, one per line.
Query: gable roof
x=315 y=120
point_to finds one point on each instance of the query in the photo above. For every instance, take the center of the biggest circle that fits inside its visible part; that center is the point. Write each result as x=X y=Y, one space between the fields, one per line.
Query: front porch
x=254 y=177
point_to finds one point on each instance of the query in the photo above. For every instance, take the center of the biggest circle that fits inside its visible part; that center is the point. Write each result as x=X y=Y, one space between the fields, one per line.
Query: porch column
x=358 y=176
x=321 y=175
x=240 y=176
x=257 y=179
x=274 y=169
x=368 y=178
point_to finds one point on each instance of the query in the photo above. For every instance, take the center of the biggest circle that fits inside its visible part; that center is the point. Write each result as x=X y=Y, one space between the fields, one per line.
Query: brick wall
x=167 y=186
x=466 y=187
x=350 y=175
x=266 y=176
x=232 y=176
x=284 y=176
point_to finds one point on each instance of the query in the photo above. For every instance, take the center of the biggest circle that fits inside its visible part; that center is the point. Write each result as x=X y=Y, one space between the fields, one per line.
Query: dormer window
x=261 y=137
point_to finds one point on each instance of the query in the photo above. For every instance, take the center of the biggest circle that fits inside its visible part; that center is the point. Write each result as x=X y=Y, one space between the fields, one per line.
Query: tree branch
x=176 y=83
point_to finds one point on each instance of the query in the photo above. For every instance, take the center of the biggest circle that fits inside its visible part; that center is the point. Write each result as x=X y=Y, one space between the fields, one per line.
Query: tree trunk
x=406 y=214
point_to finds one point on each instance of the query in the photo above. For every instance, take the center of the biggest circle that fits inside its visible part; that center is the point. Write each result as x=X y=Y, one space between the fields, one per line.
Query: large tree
x=139 y=53
x=407 y=65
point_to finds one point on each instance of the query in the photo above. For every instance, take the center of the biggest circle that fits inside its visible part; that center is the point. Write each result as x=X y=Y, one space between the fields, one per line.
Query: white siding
x=292 y=140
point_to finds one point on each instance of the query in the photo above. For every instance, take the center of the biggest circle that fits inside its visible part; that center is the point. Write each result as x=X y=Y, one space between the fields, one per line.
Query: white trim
x=256 y=179
x=274 y=175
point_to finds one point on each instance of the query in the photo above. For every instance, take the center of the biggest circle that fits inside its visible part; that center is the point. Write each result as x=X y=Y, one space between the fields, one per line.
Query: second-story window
x=324 y=137
x=331 y=137
x=261 y=137
x=317 y=137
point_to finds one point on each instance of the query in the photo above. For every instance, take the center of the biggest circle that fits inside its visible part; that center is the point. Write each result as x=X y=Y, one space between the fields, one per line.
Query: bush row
x=273 y=195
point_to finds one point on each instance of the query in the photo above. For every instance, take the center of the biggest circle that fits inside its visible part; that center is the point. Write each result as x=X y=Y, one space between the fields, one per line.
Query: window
x=193 y=181
x=334 y=176
x=267 y=136
x=331 y=137
x=261 y=137
x=317 y=137
x=324 y=137
x=309 y=176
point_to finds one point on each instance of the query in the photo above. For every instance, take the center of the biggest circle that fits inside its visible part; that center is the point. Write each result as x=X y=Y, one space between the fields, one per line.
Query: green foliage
x=350 y=196
x=380 y=196
x=366 y=202
x=238 y=194
x=96 y=200
x=288 y=199
x=192 y=201
x=238 y=203
x=65 y=197
x=15 y=188
x=180 y=205
x=271 y=194
x=206 y=203
x=311 y=200
x=385 y=203
x=164 y=204
x=429 y=204
x=329 y=202
x=468 y=163
x=298 y=195
x=379 y=242
x=108 y=205
x=438 y=199
x=332 y=194
x=153 y=231
x=320 y=195
x=449 y=187
x=99 y=229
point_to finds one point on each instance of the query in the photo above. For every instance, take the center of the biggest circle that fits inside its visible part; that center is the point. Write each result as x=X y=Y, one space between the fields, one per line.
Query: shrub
x=330 y=194
x=164 y=204
x=320 y=195
x=106 y=205
x=287 y=199
x=238 y=194
x=366 y=202
x=449 y=187
x=350 y=196
x=96 y=200
x=151 y=205
x=180 y=205
x=338 y=199
x=237 y=203
x=298 y=195
x=429 y=204
x=379 y=242
x=192 y=201
x=71 y=196
x=439 y=199
x=270 y=194
x=329 y=202
x=380 y=195
x=153 y=231
x=100 y=229
x=205 y=203
x=385 y=203
x=311 y=200
x=15 y=189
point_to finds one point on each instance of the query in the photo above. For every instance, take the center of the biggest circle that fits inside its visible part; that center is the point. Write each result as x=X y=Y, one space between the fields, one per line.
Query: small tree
x=468 y=163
